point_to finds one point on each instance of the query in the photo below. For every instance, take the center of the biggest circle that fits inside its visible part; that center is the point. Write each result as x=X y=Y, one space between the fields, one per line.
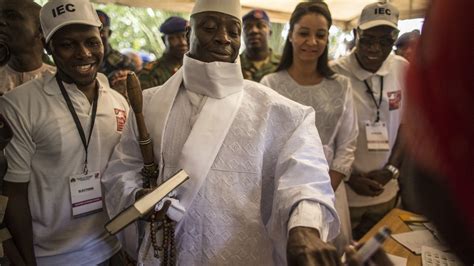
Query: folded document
x=142 y=206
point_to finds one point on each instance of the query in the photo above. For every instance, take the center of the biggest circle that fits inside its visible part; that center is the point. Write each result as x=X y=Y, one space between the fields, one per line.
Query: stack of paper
x=433 y=257
x=416 y=239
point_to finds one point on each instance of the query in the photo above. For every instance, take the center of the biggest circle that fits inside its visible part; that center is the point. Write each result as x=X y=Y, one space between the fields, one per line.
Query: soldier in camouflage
x=257 y=59
x=113 y=59
x=176 y=45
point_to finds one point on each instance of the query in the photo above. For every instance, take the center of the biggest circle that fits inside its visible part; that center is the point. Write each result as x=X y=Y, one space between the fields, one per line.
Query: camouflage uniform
x=156 y=73
x=114 y=60
x=250 y=71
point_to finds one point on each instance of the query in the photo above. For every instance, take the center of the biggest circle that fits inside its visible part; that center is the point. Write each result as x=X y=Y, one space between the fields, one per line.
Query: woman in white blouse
x=305 y=77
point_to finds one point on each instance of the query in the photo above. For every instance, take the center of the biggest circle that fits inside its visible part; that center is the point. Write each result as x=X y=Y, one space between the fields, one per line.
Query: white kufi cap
x=59 y=13
x=229 y=7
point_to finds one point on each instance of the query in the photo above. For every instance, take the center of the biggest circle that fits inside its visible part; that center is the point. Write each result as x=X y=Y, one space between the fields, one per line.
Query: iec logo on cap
x=379 y=14
x=56 y=14
x=61 y=9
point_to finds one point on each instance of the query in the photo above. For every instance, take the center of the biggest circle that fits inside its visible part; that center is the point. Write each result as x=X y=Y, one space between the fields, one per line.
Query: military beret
x=256 y=14
x=173 y=25
x=104 y=18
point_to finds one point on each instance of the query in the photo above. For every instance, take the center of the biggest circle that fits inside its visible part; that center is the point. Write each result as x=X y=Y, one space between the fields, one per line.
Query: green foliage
x=138 y=28
x=277 y=40
x=135 y=28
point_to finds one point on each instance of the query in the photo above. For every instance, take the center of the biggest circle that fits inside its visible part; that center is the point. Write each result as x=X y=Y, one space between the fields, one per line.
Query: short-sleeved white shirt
x=393 y=73
x=46 y=150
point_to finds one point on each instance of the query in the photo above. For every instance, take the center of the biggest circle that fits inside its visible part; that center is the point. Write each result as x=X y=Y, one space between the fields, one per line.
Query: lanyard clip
x=86 y=171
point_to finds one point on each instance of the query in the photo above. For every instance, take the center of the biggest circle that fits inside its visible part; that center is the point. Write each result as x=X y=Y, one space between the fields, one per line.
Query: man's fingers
x=351 y=256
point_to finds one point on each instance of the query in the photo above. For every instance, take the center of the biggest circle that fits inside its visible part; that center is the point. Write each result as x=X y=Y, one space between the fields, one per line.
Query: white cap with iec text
x=229 y=7
x=59 y=13
x=379 y=14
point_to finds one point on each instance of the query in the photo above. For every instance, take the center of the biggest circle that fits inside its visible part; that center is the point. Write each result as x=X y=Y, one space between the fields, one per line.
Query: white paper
x=86 y=194
x=416 y=239
x=397 y=260
x=432 y=256
x=377 y=136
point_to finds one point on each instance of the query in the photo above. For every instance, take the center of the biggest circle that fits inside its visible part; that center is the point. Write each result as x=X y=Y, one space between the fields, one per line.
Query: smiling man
x=259 y=187
x=65 y=127
x=176 y=45
x=377 y=79
x=257 y=59
x=20 y=32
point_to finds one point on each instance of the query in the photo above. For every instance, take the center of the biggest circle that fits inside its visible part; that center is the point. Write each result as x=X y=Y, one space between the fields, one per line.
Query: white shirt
x=393 y=73
x=336 y=122
x=46 y=150
x=336 y=119
x=269 y=162
x=9 y=78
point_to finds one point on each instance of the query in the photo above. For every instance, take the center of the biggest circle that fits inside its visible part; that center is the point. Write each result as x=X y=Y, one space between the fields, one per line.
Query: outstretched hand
x=305 y=247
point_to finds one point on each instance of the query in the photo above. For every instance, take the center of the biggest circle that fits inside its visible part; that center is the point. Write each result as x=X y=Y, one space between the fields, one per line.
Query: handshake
x=6 y=135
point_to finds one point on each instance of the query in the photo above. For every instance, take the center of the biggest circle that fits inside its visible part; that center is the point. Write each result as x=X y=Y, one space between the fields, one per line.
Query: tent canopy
x=344 y=12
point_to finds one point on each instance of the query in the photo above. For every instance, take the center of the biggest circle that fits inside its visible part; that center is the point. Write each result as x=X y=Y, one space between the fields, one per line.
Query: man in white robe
x=259 y=192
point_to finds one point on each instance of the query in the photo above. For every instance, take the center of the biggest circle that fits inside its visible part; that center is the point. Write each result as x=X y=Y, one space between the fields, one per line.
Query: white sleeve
x=346 y=137
x=302 y=175
x=265 y=81
x=21 y=149
x=320 y=218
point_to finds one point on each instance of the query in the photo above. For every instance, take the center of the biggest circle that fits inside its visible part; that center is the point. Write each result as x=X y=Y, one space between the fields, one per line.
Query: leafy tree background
x=138 y=29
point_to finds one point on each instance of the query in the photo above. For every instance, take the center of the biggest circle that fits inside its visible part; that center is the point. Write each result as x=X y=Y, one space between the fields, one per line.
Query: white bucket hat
x=59 y=13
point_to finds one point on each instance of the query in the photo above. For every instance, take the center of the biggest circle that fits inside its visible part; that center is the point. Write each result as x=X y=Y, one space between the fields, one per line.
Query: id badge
x=86 y=194
x=377 y=136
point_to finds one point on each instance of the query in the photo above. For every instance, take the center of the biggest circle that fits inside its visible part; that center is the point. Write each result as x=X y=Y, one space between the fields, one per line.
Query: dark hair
x=302 y=9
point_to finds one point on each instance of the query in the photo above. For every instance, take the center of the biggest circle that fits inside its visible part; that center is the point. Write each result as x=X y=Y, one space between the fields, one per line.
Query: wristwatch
x=394 y=170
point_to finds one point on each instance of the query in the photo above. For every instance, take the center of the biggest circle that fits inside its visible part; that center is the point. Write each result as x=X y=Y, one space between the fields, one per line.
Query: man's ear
x=188 y=33
x=110 y=33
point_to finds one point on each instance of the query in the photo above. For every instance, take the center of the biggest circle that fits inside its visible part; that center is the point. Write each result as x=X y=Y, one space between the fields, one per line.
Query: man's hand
x=365 y=186
x=379 y=257
x=118 y=81
x=382 y=176
x=336 y=179
x=305 y=247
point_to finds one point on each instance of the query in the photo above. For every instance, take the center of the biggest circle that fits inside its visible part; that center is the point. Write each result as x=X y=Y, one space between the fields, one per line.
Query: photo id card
x=377 y=136
x=86 y=194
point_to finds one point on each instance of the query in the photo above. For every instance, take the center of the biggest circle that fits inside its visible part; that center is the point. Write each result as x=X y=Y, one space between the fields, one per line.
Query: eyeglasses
x=369 y=41
x=385 y=42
